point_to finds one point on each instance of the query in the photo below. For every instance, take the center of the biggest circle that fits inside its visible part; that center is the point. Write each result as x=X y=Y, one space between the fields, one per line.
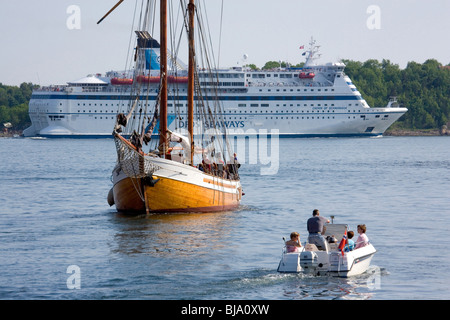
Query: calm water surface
x=54 y=214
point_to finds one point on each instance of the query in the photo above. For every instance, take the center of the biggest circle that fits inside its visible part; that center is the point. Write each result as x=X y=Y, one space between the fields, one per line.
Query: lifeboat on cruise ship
x=173 y=79
x=155 y=79
x=306 y=75
x=121 y=81
x=147 y=79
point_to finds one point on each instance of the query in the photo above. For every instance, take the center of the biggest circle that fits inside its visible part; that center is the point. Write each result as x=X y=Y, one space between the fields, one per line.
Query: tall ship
x=317 y=100
x=159 y=170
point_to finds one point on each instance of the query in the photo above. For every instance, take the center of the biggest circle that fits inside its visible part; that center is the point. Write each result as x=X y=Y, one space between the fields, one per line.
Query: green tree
x=14 y=105
x=273 y=65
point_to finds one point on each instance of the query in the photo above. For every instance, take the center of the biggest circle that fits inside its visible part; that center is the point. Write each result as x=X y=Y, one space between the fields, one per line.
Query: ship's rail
x=68 y=89
x=51 y=89
x=122 y=89
x=291 y=84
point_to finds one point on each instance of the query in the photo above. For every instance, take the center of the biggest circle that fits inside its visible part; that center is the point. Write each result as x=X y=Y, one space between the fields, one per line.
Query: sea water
x=59 y=238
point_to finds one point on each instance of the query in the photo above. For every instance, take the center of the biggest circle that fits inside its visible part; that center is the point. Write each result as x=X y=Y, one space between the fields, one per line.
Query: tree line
x=14 y=105
x=422 y=88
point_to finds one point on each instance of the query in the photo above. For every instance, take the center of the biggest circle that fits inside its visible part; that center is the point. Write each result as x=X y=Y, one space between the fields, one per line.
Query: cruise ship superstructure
x=313 y=101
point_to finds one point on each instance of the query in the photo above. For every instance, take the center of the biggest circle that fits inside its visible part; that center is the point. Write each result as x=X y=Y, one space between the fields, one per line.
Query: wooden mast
x=163 y=142
x=191 y=79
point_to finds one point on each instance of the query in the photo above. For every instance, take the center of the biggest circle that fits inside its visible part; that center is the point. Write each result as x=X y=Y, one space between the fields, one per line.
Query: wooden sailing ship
x=178 y=174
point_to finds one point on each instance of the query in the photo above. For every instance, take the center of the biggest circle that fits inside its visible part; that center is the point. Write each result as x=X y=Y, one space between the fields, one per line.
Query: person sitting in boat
x=233 y=166
x=362 y=240
x=206 y=165
x=214 y=169
x=331 y=239
x=293 y=245
x=315 y=226
x=350 y=243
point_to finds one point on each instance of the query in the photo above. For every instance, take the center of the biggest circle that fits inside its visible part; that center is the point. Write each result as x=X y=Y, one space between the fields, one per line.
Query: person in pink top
x=293 y=245
x=362 y=240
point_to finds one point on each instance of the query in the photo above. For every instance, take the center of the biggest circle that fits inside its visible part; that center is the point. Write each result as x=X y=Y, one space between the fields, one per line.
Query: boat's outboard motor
x=308 y=260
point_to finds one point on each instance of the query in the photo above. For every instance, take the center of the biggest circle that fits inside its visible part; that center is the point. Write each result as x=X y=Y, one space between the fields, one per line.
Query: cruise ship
x=312 y=101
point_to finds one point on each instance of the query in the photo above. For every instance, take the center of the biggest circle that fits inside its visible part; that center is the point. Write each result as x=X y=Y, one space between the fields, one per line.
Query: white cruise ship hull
x=67 y=115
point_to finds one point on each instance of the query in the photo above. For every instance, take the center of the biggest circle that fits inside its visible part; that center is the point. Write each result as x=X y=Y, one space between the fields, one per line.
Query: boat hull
x=332 y=263
x=175 y=188
x=355 y=262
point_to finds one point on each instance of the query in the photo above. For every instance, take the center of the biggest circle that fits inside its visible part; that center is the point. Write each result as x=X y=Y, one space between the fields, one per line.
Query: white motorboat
x=330 y=261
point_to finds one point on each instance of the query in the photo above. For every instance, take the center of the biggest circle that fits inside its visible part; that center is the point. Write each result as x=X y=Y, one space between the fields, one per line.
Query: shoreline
x=415 y=133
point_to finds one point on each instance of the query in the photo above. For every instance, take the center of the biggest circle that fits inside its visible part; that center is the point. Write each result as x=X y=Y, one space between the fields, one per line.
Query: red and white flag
x=343 y=242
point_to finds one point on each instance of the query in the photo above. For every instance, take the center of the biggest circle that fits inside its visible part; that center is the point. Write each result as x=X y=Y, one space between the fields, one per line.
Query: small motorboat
x=332 y=260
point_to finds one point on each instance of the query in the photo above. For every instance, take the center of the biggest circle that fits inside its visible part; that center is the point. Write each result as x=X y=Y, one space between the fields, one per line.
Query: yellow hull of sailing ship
x=169 y=195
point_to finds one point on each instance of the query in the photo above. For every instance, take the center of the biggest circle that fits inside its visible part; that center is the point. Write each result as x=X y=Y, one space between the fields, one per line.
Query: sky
x=56 y=41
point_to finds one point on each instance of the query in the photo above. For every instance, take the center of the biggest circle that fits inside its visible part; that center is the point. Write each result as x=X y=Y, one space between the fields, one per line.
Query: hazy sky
x=37 y=45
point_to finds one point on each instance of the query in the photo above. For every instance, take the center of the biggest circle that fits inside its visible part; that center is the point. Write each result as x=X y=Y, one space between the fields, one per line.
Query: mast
x=163 y=142
x=191 y=79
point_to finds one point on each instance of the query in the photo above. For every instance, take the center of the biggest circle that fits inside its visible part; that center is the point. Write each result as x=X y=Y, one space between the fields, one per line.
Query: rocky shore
x=10 y=133
x=412 y=133
x=443 y=131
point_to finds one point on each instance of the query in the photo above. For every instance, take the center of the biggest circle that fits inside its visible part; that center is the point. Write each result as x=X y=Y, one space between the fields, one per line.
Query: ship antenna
x=313 y=49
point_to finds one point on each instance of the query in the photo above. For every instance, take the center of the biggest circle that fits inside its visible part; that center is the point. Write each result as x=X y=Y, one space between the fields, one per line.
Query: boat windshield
x=336 y=230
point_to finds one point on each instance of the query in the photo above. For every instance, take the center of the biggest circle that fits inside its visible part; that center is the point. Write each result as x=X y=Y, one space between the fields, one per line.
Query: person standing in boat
x=362 y=240
x=315 y=226
x=293 y=245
